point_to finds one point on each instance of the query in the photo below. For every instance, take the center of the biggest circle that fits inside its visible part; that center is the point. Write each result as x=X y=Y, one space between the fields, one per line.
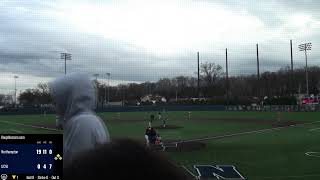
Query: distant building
x=153 y=98
x=8 y=99
x=146 y=98
x=118 y=103
x=188 y=99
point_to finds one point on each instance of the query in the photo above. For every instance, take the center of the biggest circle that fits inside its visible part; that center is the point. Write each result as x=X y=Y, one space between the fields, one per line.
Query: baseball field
x=261 y=145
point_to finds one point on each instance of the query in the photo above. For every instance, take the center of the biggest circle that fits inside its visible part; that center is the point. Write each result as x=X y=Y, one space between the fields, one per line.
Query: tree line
x=214 y=86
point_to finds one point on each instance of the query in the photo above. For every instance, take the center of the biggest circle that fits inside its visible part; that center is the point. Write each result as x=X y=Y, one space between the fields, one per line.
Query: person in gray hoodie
x=74 y=96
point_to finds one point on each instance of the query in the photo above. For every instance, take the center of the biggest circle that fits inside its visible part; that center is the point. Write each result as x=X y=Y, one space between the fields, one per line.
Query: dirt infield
x=51 y=125
x=167 y=127
x=190 y=146
x=180 y=147
x=285 y=123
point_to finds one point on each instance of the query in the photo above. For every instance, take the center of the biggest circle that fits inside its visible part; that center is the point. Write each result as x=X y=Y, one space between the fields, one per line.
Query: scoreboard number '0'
x=44 y=166
x=44 y=151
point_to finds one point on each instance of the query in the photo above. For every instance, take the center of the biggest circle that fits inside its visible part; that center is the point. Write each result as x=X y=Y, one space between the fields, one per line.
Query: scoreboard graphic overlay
x=31 y=156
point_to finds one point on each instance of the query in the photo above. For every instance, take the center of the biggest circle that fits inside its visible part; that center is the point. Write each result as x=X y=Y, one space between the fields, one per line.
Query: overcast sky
x=144 y=40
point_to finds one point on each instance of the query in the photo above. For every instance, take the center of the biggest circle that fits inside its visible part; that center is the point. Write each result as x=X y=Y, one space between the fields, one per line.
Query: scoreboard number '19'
x=44 y=151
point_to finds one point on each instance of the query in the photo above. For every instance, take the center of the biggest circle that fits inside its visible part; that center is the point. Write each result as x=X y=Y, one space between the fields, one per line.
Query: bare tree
x=210 y=72
x=2 y=97
x=44 y=87
x=211 y=75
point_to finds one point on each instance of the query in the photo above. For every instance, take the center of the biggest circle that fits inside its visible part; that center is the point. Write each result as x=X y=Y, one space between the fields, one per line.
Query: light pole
x=258 y=65
x=198 y=83
x=15 y=88
x=291 y=75
x=105 y=94
x=227 y=77
x=258 y=72
x=177 y=86
x=305 y=47
x=65 y=57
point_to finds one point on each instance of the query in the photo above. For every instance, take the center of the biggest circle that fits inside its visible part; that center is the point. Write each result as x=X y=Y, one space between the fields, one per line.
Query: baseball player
x=146 y=135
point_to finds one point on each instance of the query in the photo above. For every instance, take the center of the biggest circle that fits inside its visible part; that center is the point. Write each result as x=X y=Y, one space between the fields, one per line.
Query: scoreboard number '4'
x=44 y=166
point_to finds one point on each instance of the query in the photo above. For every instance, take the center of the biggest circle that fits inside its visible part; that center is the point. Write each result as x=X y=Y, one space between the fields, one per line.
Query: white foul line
x=243 y=133
x=16 y=131
x=315 y=129
x=184 y=167
x=314 y=154
x=31 y=126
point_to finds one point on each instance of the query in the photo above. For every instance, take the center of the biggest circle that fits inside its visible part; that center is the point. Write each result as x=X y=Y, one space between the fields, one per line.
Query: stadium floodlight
x=227 y=78
x=258 y=64
x=65 y=57
x=15 y=88
x=306 y=47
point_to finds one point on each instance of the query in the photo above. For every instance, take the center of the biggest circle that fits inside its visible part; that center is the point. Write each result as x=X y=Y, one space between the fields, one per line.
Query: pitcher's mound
x=285 y=123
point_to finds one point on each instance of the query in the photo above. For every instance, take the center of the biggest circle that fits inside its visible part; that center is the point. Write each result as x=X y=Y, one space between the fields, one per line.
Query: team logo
x=218 y=172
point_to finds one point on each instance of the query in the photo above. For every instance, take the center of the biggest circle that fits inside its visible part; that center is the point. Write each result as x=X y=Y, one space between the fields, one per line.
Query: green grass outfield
x=272 y=155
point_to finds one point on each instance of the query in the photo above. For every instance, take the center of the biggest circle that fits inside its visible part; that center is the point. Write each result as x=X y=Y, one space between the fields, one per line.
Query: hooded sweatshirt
x=75 y=98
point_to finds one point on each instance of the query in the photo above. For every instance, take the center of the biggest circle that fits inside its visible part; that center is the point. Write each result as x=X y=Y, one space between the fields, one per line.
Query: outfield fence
x=276 y=108
x=273 y=108
x=16 y=111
